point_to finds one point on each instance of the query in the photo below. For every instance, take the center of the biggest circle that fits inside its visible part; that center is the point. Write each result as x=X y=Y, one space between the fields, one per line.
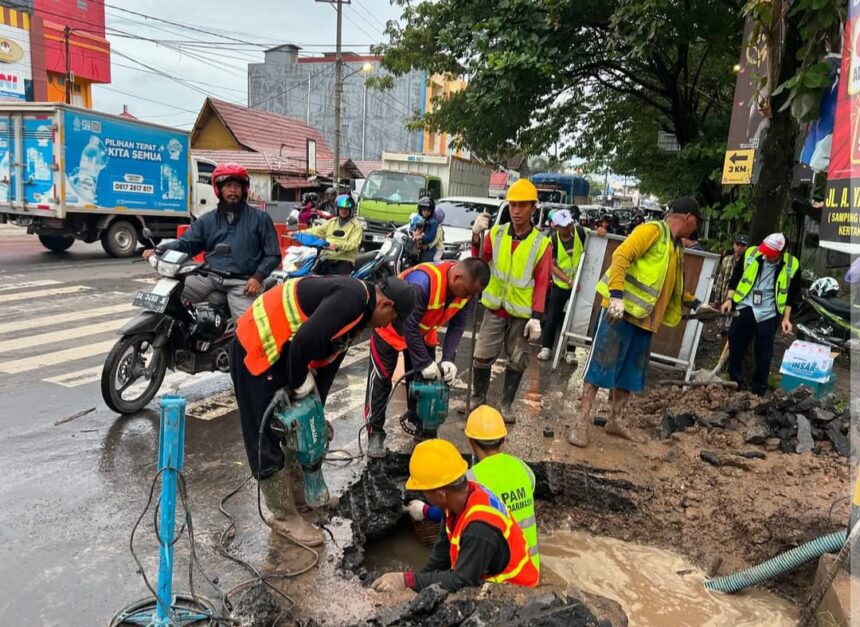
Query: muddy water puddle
x=656 y=588
x=399 y=550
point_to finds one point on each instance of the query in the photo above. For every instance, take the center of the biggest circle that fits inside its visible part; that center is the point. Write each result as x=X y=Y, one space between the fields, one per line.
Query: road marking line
x=28 y=284
x=70 y=289
x=52 y=359
x=55 y=337
x=79 y=377
x=57 y=319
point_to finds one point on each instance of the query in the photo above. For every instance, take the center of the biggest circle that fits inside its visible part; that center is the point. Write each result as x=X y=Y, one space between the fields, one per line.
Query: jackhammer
x=428 y=403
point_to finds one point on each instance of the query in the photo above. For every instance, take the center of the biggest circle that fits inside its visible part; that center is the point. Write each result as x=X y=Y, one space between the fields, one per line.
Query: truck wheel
x=56 y=243
x=120 y=239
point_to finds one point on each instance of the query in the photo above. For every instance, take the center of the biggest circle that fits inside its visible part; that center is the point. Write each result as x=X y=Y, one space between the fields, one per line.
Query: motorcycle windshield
x=305 y=239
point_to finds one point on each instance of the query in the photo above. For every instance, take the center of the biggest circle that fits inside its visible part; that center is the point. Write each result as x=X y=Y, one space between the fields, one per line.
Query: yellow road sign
x=737 y=168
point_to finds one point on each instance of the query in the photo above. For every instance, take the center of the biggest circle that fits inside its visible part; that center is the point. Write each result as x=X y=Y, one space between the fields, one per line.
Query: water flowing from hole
x=656 y=588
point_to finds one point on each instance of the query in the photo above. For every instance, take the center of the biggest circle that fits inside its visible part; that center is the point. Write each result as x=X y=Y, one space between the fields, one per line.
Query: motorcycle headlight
x=166 y=269
x=153 y=261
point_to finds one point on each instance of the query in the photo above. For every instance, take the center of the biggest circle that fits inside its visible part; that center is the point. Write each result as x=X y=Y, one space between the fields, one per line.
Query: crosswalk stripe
x=79 y=377
x=59 y=319
x=62 y=335
x=28 y=284
x=69 y=289
x=16 y=366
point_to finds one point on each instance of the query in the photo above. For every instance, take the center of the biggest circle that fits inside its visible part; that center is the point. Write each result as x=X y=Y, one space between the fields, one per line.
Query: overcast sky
x=202 y=61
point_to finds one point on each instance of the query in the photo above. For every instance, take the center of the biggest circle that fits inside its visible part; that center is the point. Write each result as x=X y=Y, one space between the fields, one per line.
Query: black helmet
x=425 y=202
x=330 y=193
x=742 y=238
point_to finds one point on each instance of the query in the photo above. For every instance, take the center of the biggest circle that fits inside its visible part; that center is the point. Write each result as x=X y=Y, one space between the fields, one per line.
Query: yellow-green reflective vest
x=645 y=278
x=752 y=263
x=512 y=274
x=567 y=263
x=511 y=479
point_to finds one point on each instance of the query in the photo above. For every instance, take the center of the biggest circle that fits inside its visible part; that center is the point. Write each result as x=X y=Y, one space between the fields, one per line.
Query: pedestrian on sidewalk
x=521 y=263
x=642 y=289
x=292 y=341
x=763 y=289
x=568 y=245
x=505 y=475
x=479 y=540
x=443 y=295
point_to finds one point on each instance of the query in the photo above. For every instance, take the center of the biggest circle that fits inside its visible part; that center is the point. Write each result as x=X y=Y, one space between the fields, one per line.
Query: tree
x=608 y=73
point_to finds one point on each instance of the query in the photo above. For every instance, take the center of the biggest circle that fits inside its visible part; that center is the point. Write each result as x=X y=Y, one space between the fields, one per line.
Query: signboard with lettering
x=737 y=167
x=840 y=218
x=14 y=63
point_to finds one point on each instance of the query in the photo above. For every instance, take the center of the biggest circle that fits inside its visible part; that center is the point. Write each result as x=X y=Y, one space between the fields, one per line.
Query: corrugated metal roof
x=499 y=179
x=266 y=132
x=294 y=182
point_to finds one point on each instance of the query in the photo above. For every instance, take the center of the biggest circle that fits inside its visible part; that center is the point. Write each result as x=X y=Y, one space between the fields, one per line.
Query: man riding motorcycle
x=254 y=250
x=343 y=234
x=425 y=226
x=329 y=203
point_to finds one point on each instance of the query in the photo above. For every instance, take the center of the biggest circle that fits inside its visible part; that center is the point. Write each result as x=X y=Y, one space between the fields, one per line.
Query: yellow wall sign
x=738 y=166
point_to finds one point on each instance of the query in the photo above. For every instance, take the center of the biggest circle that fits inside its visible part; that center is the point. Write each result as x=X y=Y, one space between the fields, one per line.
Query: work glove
x=305 y=388
x=449 y=371
x=481 y=223
x=431 y=372
x=615 y=311
x=389 y=582
x=415 y=509
x=532 y=330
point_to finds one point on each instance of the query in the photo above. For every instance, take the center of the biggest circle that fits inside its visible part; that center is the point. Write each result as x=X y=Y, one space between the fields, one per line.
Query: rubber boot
x=376 y=444
x=480 y=385
x=285 y=519
x=509 y=391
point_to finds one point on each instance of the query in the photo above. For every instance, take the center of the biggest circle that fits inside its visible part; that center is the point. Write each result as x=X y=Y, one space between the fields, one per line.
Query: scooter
x=827 y=320
x=299 y=260
x=397 y=253
x=169 y=333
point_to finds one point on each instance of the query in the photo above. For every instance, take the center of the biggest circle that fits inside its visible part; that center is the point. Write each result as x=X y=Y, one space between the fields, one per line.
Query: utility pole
x=67 y=31
x=364 y=123
x=338 y=95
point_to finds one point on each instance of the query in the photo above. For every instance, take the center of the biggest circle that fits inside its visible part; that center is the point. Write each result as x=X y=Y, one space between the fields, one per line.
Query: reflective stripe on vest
x=274 y=318
x=510 y=478
x=645 y=278
x=484 y=506
x=512 y=273
x=437 y=313
x=567 y=263
x=752 y=264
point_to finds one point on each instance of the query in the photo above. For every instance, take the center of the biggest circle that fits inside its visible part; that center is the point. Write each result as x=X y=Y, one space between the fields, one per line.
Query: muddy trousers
x=253 y=395
x=741 y=334
x=383 y=361
x=554 y=315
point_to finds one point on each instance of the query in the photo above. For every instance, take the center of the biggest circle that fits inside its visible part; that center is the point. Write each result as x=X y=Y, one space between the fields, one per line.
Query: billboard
x=14 y=63
x=119 y=163
x=840 y=218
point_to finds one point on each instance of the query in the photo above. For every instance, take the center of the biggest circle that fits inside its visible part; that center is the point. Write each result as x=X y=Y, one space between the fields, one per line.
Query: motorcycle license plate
x=378 y=238
x=157 y=299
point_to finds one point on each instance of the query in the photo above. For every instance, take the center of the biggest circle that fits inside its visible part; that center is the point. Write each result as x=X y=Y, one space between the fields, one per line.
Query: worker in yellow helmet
x=478 y=541
x=504 y=474
x=520 y=261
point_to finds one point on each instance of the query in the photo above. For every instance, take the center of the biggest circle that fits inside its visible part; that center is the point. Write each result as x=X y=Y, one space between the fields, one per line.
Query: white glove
x=481 y=223
x=305 y=388
x=431 y=372
x=415 y=509
x=449 y=371
x=389 y=582
x=615 y=311
x=532 y=330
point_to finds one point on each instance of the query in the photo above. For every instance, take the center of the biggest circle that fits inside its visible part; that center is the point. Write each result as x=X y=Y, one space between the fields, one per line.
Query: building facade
x=372 y=121
x=34 y=37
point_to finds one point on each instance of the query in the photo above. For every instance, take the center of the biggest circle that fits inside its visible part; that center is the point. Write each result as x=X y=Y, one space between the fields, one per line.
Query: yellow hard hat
x=435 y=463
x=522 y=190
x=485 y=423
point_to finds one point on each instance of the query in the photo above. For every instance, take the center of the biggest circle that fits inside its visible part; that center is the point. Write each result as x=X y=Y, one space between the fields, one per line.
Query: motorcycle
x=397 y=253
x=299 y=260
x=169 y=333
x=827 y=320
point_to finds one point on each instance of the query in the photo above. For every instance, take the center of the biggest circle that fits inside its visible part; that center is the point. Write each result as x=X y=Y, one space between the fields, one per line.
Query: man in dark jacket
x=254 y=250
x=764 y=287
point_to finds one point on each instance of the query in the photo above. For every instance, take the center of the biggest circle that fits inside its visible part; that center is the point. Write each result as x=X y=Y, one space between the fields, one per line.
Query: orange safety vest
x=437 y=313
x=484 y=506
x=274 y=318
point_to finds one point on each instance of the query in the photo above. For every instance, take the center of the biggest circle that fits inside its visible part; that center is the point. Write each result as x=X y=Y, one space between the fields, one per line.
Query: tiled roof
x=262 y=131
x=499 y=180
x=366 y=167
x=254 y=161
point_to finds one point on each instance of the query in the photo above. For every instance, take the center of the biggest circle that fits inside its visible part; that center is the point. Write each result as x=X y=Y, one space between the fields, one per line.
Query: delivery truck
x=390 y=195
x=555 y=187
x=70 y=173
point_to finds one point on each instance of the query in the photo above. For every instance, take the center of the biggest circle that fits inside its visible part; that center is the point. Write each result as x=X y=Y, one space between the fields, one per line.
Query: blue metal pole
x=171 y=449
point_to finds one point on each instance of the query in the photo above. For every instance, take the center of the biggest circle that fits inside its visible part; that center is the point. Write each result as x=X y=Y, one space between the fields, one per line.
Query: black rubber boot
x=480 y=385
x=512 y=384
x=376 y=445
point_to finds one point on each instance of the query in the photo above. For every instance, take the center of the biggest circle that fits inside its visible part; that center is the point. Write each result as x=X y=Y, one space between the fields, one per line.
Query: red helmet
x=227 y=171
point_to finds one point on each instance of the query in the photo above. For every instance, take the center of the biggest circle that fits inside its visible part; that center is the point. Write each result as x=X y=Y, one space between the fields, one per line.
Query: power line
x=346 y=15
x=158 y=102
x=370 y=13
